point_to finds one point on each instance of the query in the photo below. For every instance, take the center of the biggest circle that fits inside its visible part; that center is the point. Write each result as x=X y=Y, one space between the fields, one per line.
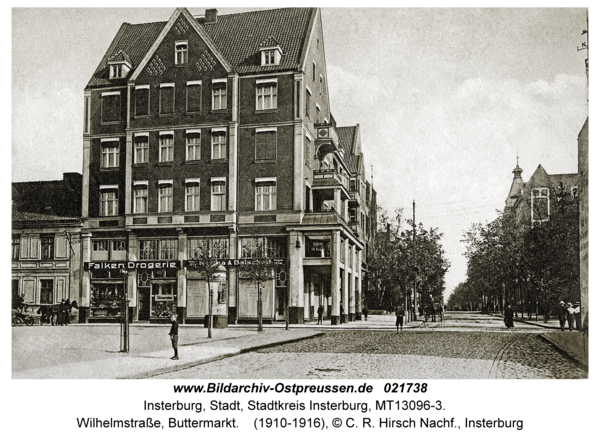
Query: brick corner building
x=218 y=131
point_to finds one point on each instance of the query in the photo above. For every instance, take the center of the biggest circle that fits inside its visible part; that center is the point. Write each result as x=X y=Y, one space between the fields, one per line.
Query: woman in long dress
x=508 y=317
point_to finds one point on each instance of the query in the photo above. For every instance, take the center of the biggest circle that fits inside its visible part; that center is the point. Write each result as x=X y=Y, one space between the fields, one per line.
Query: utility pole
x=415 y=262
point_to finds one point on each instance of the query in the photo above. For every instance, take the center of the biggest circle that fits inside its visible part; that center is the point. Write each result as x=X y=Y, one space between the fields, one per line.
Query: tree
x=262 y=268
x=205 y=259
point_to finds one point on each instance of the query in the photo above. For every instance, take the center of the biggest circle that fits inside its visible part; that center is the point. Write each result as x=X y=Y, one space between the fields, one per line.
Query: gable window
x=192 y=194
x=320 y=85
x=192 y=147
x=111 y=106
x=140 y=197
x=266 y=143
x=140 y=150
x=142 y=100
x=266 y=94
x=165 y=195
x=47 y=242
x=165 y=149
x=219 y=94
x=181 y=52
x=193 y=96
x=218 y=144
x=266 y=194
x=167 y=98
x=110 y=153
x=217 y=201
x=314 y=72
x=109 y=201
x=540 y=204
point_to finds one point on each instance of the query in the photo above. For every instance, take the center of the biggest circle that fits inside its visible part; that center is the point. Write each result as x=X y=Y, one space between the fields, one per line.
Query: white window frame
x=138 y=188
x=165 y=194
x=196 y=147
x=260 y=195
x=141 y=152
x=168 y=148
x=218 y=139
x=218 y=182
x=219 y=94
x=540 y=195
x=192 y=192
x=266 y=94
x=107 y=203
x=116 y=71
x=181 y=55
x=109 y=154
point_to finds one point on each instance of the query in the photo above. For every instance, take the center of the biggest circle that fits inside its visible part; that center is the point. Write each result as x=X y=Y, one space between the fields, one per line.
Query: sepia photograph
x=304 y=193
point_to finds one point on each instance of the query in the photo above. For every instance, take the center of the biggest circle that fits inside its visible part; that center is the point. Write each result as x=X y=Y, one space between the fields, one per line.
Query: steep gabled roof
x=237 y=36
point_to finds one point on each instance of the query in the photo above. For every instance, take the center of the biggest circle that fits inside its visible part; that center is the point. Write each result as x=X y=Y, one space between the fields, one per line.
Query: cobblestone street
x=461 y=346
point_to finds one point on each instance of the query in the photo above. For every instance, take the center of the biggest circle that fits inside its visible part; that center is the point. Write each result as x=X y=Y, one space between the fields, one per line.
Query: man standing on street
x=562 y=314
x=399 y=317
x=320 y=315
x=365 y=312
x=174 y=335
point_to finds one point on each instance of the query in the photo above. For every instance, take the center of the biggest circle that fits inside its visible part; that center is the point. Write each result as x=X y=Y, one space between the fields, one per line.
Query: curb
x=178 y=367
x=565 y=352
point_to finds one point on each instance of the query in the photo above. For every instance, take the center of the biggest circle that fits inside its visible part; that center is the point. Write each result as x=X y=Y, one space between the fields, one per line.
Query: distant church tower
x=515 y=188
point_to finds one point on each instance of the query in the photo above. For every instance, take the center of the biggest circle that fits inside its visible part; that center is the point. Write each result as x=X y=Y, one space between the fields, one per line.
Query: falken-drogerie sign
x=131 y=265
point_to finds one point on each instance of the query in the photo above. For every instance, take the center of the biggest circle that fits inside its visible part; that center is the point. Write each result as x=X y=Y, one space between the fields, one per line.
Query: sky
x=445 y=99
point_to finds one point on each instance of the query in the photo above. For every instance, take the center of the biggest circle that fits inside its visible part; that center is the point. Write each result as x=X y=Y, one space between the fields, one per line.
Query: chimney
x=210 y=17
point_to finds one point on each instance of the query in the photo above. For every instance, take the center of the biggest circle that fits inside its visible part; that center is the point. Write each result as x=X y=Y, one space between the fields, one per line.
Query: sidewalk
x=571 y=343
x=60 y=353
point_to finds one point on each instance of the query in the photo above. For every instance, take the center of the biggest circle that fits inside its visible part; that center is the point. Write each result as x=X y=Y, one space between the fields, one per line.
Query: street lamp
x=218 y=278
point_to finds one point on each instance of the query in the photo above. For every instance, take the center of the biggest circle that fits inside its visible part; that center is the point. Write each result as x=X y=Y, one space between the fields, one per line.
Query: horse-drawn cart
x=20 y=316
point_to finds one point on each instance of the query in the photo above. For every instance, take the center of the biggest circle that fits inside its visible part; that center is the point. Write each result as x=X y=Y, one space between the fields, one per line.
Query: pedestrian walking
x=570 y=315
x=366 y=313
x=320 y=315
x=577 y=316
x=174 y=335
x=508 y=317
x=399 y=317
x=562 y=314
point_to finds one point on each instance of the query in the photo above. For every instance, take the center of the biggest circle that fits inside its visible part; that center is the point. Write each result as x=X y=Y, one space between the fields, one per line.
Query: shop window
x=264 y=247
x=317 y=248
x=217 y=247
x=106 y=299
x=163 y=300
x=165 y=249
x=47 y=242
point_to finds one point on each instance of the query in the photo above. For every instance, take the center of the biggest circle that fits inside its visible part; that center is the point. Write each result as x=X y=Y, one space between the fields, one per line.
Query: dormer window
x=270 y=56
x=119 y=65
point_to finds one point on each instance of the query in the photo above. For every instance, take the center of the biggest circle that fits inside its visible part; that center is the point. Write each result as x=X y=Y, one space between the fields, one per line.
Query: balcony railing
x=324 y=174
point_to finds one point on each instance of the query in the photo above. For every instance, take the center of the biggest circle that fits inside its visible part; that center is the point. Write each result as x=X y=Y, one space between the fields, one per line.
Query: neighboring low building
x=45 y=246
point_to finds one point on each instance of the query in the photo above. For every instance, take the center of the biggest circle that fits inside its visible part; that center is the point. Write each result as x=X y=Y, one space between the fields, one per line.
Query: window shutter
x=261 y=146
x=25 y=244
x=142 y=96
x=193 y=97
x=61 y=247
x=29 y=290
x=166 y=100
x=34 y=252
x=111 y=108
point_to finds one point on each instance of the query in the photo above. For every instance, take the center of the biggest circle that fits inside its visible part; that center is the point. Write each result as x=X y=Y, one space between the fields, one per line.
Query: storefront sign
x=237 y=262
x=164 y=297
x=131 y=265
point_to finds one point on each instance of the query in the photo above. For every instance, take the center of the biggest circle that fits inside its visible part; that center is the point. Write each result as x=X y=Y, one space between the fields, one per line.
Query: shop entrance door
x=144 y=303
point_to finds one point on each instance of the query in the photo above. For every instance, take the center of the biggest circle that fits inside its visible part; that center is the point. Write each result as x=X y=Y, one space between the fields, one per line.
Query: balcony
x=327 y=139
x=329 y=177
x=354 y=199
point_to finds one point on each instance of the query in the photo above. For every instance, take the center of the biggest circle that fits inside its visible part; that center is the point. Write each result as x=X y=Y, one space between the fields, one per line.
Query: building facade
x=45 y=240
x=583 y=158
x=217 y=131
